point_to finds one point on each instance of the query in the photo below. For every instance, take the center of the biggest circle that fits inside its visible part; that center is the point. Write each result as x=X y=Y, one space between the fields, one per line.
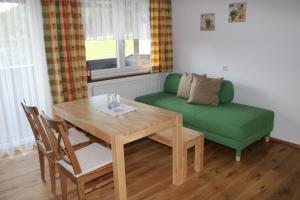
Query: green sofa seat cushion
x=225 y=96
x=231 y=120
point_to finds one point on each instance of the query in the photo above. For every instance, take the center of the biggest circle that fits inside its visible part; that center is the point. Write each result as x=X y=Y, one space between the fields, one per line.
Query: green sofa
x=230 y=124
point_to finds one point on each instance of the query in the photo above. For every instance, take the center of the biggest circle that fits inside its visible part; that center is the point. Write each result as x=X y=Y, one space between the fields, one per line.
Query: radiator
x=129 y=87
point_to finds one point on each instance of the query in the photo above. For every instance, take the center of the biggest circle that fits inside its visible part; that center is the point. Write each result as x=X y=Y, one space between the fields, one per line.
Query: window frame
x=121 y=69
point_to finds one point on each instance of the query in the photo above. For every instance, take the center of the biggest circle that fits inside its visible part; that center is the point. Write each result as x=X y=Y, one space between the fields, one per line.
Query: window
x=22 y=72
x=117 y=36
x=137 y=52
x=12 y=54
x=100 y=49
x=102 y=54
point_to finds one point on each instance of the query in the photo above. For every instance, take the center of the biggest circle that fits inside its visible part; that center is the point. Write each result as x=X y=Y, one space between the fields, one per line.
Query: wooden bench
x=191 y=138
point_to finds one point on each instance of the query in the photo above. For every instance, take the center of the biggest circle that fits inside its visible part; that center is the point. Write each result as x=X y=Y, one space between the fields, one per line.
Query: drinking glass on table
x=109 y=101
x=118 y=102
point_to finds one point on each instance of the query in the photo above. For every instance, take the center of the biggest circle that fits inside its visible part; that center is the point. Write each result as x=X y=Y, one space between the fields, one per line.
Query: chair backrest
x=61 y=143
x=38 y=130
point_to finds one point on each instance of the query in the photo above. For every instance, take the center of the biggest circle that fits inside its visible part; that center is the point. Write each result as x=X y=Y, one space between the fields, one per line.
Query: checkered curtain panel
x=161 y=35
x=65 y=49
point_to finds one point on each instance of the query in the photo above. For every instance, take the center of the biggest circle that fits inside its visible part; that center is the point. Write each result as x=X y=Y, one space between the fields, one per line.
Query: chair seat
x=76 y=137
x=90 y=158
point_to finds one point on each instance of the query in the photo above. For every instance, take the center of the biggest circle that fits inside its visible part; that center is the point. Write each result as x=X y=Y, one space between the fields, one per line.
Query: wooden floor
x=267 y=171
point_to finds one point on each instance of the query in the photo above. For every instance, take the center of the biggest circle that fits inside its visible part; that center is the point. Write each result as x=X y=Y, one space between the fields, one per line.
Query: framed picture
x=237 y=12
x=207 y=22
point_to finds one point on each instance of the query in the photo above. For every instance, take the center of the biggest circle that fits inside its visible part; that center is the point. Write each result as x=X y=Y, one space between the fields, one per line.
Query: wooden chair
x=44 y=146
x=83 y=166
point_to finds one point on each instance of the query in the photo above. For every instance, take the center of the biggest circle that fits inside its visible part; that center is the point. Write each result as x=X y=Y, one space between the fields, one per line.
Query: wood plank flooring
x=268 y=171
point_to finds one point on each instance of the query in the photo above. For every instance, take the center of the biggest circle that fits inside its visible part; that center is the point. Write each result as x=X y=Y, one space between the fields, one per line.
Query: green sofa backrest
x=225 y=96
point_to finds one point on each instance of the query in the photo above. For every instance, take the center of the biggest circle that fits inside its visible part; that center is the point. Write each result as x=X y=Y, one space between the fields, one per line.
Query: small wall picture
x=207 y=22
x=237 y=12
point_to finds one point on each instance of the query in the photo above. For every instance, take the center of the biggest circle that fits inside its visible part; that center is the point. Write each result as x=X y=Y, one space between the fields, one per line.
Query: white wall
x=262 y=55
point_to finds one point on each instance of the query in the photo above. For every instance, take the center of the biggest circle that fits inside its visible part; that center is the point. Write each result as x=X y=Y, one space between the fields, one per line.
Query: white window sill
x=103 y=74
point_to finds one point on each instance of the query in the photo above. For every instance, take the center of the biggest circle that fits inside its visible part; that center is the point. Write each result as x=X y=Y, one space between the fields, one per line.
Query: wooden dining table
x=123 y=129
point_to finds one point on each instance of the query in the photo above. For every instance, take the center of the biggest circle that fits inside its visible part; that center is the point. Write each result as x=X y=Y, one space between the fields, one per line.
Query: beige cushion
x=90 y=158
x=205 y=91
x=198 y=76
x=185 y=84
x=77 y=137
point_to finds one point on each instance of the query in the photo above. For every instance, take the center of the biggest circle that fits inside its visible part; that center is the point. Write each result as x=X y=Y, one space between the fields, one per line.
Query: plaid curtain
x=65 y=49
x=161 y=35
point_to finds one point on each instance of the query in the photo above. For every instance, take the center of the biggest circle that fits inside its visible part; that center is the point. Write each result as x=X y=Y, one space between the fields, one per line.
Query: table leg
x=119 y=168
x=178 y=169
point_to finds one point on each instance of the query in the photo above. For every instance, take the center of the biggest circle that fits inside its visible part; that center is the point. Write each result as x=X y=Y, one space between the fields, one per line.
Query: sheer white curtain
x=137 y=19
x=23 y=71
x=98 y=19
x=116 y=19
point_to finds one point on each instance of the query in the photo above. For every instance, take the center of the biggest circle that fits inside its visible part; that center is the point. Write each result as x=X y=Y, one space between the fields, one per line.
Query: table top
x=85 y=115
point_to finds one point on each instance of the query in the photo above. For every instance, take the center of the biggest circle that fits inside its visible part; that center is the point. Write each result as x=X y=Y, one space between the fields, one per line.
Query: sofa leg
x=267 y=139
x=238 y=155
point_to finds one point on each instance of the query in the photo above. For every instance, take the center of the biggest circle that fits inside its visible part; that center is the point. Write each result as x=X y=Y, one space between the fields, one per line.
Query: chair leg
x=42 y=164
x=52 y=175
x=81 y=190
x=63 y=184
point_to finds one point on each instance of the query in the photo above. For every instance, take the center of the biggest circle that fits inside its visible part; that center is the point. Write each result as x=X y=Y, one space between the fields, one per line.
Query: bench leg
x=199 y=152
x=238 y=155
x=185 y=151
